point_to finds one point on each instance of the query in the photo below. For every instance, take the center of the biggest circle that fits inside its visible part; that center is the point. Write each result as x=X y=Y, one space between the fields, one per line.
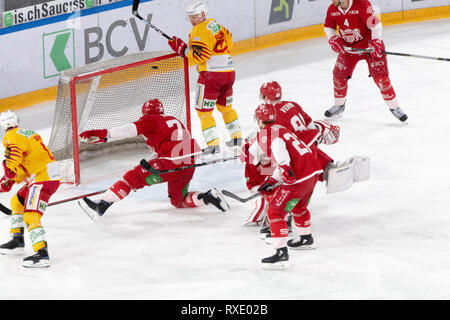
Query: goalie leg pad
x=361 y=168
x=259 y=212
x=340 y=177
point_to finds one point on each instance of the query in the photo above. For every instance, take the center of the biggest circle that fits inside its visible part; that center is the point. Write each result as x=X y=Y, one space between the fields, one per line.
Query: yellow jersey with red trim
x=209 y=47
x=28 y=156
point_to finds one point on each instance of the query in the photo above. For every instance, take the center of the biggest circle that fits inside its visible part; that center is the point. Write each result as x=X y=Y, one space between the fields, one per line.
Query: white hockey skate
x=215 y=198
x=94 y=209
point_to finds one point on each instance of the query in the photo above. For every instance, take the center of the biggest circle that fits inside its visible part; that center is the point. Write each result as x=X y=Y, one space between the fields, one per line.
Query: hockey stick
x=8 y=211
x=356 y=50
x=5 y=210
x=236 y=197
x=137 y=15
x=253 y=196
x=149 y=168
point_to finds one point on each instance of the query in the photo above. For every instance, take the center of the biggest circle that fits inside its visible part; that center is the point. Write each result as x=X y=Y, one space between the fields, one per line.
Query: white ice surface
x=387 y=238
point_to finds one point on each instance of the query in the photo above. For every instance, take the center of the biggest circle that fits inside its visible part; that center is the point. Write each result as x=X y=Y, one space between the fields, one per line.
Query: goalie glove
x=95 y=136
x=5 y=184
x=329 y=133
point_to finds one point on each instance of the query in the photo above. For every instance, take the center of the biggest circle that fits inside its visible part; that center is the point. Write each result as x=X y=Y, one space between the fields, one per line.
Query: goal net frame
x=73 y=102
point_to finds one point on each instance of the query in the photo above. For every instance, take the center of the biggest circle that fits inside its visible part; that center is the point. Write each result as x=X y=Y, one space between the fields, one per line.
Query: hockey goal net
x=108 y=94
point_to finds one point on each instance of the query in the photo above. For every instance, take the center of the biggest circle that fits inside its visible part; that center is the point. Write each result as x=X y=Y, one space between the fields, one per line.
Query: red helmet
x=152 y=106
x=265 y=112
x=271 y=90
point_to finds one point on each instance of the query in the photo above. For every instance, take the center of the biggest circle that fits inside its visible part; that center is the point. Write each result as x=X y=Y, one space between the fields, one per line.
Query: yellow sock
x=209 y=129
x=231 y=120
x=17 y=224
x=35 y=230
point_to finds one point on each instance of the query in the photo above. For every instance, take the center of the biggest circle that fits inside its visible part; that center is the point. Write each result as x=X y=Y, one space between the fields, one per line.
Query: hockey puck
x=154 y=67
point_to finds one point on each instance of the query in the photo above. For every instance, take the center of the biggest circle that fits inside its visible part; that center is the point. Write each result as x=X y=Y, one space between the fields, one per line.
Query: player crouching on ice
x=169 y=139
x=27 y=160
x=291 y=185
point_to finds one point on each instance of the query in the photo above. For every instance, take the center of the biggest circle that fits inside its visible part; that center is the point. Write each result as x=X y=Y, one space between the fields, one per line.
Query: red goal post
x=111 y=93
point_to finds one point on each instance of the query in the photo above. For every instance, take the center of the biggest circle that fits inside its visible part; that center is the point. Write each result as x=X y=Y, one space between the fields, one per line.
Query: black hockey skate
x=235 y=142
x=399 y=114
x=94 y=209
x=15 y=246
x=215 y=198
x=38 y=260
x=335 y=111
x=278 y=261
x=303 y=243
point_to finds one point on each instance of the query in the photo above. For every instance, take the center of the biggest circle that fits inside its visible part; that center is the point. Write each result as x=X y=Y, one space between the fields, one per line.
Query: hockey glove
x=94 y=136
x=5 y=184
x=287 y=174
x=329 y=133
x=9 y=174
x=378 y=47
x=178 y=45
x=337 y=44
x=267 y=187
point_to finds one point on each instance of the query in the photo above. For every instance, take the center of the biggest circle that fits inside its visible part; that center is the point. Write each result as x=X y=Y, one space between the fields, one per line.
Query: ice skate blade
x=13 y=252
x=333 y=117
x=280 y=265
x=40 y=264
x=305 y=247
x=89 y=212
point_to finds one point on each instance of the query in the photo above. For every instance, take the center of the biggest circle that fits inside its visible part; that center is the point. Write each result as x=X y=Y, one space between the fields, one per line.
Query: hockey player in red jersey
x=359 y=28
x=290 y=186
x=167 y=137
x=294 y=118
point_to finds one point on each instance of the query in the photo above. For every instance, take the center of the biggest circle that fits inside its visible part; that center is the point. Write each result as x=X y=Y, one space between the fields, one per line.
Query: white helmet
x=196 y=7
x=8 y=119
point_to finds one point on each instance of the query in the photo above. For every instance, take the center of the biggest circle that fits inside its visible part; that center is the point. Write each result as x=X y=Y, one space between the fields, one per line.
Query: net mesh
x=115 y=97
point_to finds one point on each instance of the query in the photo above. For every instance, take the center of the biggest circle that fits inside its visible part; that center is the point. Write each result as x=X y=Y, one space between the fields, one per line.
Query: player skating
x=359 y=28
x=168 y=138
x=209 y=48
x=289 y=188
x=27 y=159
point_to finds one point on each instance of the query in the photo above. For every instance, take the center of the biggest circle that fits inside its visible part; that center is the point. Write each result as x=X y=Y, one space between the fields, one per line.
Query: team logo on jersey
x=209 y=104
x=153 y=179
x=42 y=206
x=351 y=35
x=33 y=197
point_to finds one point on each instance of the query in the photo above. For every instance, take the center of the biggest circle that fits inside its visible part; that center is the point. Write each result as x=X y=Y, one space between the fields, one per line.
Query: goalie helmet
x=266 y=112
x=270 y=90
x=196 y=8
x=8 y=119
x=152 y=106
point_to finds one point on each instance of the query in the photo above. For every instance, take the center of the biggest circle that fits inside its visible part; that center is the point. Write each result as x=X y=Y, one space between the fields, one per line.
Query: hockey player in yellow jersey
x=28 y=161
x=209 y=48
